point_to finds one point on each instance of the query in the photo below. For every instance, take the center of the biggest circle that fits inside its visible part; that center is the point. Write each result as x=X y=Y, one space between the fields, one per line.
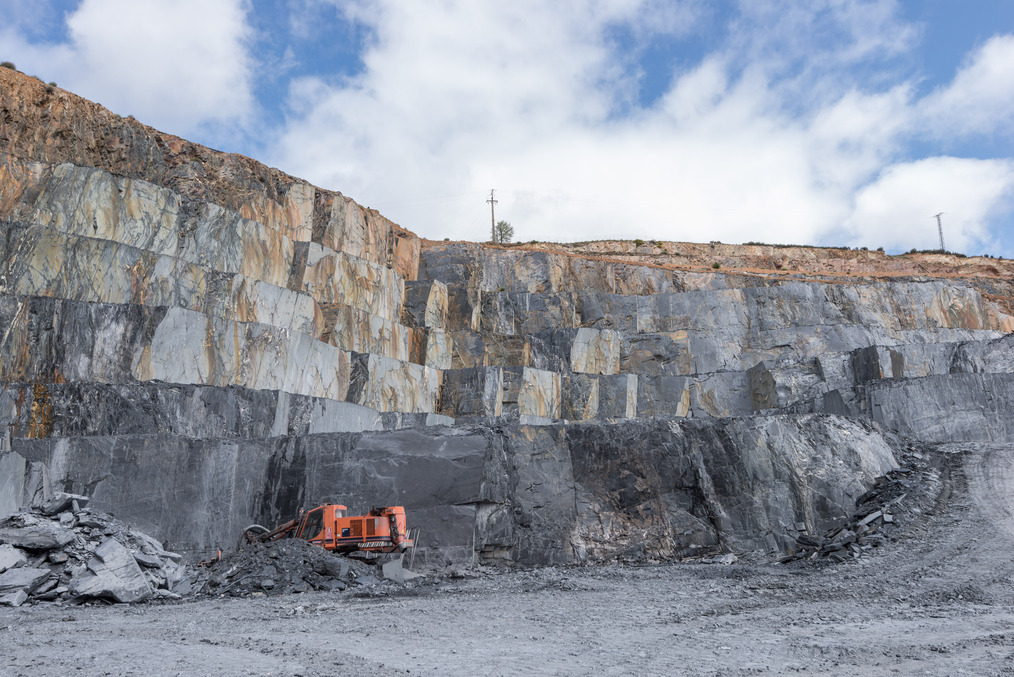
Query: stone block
x=515 y=351
x=61 y=501
x=112 y=573
x=656 y=354
x=391 y=385
x=222 y=240
x=24 y=530
x=775 y=386
x=42 y=262
x=472 y=392
x=469 y=350
x=618 y=396
x=11 y=557
x=293 y=218
x=23 y=578
x=16 y=598
x=439 y=349
x=239 y=298
x=587 y=351
x=667 y=396
x=12 y=478
x=721 y=394
x=188 y=347
x=968 y=407
x=312 y=416
x=353 y=329
x=48 y=263
x=873 y=363
x=510 y=313
x=350 y=228
x=579 y=396
x=93 y=203
x=426 y=304
x=985 y=357
x=337 y=277
x=534 y=392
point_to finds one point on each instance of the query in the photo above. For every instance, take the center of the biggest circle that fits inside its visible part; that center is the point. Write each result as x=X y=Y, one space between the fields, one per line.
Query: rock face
x=199 y=342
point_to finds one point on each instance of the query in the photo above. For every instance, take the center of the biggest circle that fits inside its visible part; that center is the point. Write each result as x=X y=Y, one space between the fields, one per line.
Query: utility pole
x=940 y=230
x=492 y=219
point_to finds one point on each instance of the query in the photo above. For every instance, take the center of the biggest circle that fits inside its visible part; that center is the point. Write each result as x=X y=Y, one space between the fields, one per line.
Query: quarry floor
x=939 y=600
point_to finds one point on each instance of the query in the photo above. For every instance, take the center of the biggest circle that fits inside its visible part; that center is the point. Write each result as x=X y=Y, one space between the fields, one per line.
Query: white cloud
x=794 y=127
x=896 y=211
x=175 y=66
x=980 y=99
x=458 y=98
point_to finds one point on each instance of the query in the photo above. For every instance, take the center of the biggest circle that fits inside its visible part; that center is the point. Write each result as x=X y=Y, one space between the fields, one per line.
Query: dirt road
x=939 y=600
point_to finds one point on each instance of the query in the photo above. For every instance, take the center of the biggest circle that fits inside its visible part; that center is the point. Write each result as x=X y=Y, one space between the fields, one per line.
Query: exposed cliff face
x=198 y=342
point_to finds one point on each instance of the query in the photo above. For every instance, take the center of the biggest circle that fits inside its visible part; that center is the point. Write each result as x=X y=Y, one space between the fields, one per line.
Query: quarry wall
x=198 y=342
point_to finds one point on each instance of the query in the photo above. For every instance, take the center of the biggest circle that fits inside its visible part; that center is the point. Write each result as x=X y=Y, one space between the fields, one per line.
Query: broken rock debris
x=61 y=551
x=867 y=527
x=290 y=565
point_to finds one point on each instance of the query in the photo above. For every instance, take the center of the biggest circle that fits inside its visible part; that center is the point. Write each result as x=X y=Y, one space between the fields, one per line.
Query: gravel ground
x=936 y=600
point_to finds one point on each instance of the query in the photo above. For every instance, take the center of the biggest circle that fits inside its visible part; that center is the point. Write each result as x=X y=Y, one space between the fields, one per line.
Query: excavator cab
x=311 y=525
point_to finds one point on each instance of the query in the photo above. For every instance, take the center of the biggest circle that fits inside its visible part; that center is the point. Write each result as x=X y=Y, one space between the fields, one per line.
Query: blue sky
x=829 y=122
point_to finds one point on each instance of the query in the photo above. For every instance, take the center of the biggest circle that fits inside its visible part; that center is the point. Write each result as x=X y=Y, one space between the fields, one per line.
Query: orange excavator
x=380 y=530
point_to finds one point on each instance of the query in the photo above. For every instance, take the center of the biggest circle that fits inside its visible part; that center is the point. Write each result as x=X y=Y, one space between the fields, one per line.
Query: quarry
x=622 y=457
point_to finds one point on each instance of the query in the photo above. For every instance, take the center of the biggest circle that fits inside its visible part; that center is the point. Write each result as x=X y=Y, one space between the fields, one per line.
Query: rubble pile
x=59 y=550
x=870 y=524
x=288 y=565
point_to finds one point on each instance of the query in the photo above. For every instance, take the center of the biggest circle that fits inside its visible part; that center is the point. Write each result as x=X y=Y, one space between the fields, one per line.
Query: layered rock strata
x=199 y=342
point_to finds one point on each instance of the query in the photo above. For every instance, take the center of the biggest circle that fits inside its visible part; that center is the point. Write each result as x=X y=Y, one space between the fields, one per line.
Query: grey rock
x=16 y=598
x=112 y=573
x=12 y=476
x=23 y=578
x=149 y=561
x=33 y=533
x=11 y=557
x=61 y=502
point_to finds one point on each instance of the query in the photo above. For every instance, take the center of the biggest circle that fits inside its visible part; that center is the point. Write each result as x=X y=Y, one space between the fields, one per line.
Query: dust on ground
x=937 y=599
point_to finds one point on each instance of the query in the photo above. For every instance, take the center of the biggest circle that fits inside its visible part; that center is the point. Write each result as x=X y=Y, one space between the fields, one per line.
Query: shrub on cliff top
x=8 y=64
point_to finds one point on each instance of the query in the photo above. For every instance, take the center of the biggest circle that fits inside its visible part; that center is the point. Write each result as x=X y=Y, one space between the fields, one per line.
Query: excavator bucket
x=393 y=569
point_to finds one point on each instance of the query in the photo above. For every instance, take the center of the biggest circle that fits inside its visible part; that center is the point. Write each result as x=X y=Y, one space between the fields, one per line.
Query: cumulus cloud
x=980 y=99
x=527 y=97
x=897 y=209
x=798 y=122
x=176 y=66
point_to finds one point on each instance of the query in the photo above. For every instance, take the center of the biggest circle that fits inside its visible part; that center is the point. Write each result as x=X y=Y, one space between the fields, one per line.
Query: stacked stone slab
x=200 y=342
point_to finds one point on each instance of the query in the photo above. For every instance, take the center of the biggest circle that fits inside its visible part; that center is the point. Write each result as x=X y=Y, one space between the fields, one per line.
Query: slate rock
x=23 y=578
x=112 y=573
x=145 y=560
x=33 y=533
x=11 y=557
x=16 y=598
x=61 y=502
x=57 y=557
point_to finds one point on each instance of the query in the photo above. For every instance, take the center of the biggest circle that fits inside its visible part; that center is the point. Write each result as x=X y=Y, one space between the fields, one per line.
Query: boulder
x=23 y=578
x=112 y=573
x=33 y=533
x=11 y=557
x=61 y=501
